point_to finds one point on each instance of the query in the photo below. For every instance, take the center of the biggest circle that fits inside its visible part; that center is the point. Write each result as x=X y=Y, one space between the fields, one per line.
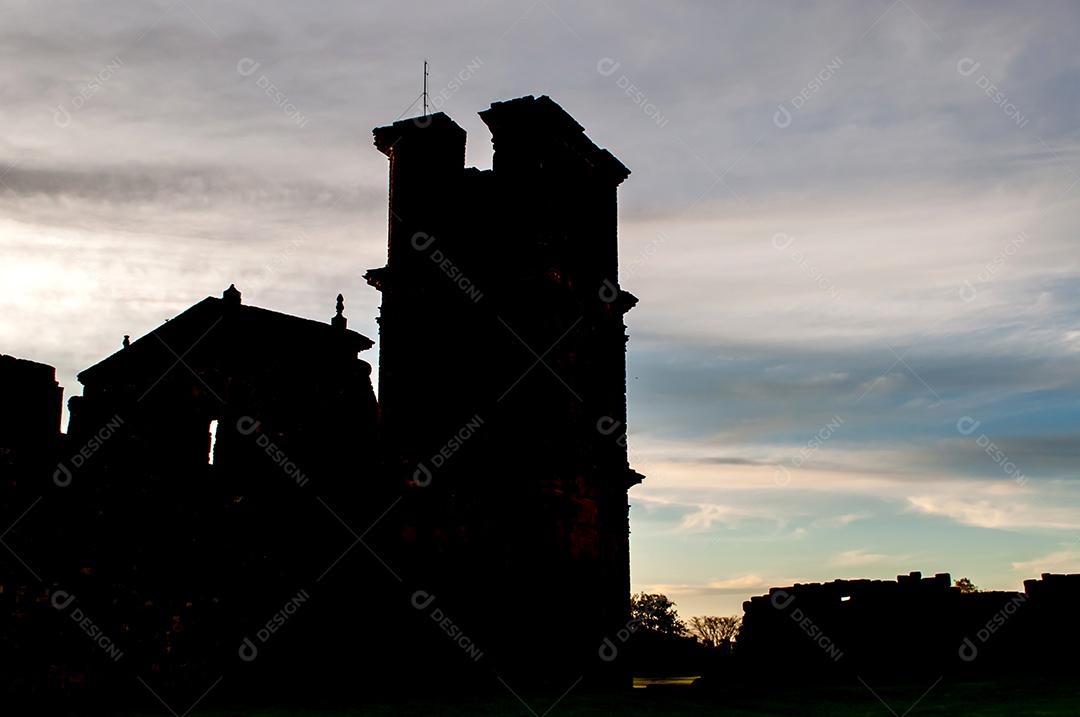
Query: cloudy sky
x=852 y=227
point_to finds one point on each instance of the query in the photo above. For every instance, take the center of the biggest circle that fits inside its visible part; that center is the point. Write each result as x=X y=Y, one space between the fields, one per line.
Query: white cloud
x=859 y=558
x=738 y=584
x=840 y=521
x=1061 y=561
x=705 y=516
x=998 y=512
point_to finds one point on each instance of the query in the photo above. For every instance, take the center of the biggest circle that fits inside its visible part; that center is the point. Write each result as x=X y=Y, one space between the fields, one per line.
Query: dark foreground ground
x=970 y=698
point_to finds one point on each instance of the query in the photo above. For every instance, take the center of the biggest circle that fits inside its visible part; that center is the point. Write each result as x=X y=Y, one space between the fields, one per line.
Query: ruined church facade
x=236 y=457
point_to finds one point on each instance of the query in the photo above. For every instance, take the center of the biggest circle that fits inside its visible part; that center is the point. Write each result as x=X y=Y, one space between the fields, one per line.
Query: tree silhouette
x=715 y=630
x=657 y=613
x=966 y=586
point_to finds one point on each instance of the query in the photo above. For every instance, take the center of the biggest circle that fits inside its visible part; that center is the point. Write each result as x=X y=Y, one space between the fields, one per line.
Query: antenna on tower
x=425 y=88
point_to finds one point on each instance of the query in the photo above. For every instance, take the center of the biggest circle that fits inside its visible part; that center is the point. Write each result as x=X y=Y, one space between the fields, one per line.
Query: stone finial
x=127 y=341
x=231 y=296
x=339 y=321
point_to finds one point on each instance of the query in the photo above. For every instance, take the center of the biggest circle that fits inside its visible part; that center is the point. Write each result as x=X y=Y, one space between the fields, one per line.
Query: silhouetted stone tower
x=502 y=383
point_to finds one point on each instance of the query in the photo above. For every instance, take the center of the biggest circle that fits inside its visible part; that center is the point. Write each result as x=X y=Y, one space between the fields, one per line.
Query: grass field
x=979 y=699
